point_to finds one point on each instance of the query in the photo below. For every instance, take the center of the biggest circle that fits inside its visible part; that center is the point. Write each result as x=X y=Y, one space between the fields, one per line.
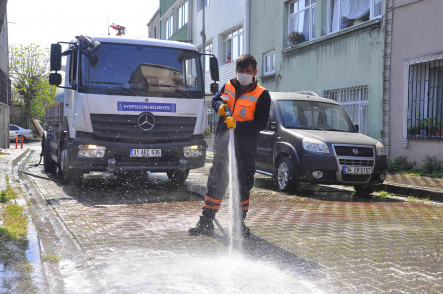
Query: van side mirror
x=55 y=62
x=55 y=79
x=356 y=127
x=213 y=68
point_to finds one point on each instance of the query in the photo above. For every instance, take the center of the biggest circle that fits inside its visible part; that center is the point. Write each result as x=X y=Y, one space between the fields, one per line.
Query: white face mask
x=244 y=79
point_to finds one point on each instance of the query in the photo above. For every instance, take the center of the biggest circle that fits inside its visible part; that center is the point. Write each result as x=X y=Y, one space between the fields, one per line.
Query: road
x=115 y=236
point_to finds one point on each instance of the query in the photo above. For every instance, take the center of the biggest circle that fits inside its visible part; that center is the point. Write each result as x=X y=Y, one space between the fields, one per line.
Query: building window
x=200 y=2
x=232 y=45
x=343 y=14
x=355 y=102
x=302 y=14
x=169 y=27
x=425 y=100
x=269 y=63
x=182 y=14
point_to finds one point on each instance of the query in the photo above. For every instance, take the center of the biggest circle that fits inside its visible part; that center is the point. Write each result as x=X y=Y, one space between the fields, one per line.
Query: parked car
x=311 y=139
x=15 y=131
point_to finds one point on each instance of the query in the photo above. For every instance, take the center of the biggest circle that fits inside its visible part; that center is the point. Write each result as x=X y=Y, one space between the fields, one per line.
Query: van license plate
x=357 y=170
x=146 y=153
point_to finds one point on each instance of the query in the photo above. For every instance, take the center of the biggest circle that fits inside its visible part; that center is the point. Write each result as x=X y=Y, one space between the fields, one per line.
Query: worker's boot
x=204 y=226
x=244 y=229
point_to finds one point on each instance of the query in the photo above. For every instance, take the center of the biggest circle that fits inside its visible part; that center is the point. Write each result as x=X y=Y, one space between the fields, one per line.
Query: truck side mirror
x=356 y=127
x=213 y=67
x=214 y=88
x=55 y=62
x=55 y=79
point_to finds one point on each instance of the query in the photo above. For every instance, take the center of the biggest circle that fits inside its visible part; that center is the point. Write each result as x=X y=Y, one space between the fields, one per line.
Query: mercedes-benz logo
x=146 y=121
x=355 y=151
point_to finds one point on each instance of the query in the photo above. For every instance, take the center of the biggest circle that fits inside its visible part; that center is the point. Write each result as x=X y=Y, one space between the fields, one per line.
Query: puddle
x=168 y=272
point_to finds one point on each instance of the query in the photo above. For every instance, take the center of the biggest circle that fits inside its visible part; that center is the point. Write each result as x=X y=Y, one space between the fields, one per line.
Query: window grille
x=355 y=102
x=425 y=100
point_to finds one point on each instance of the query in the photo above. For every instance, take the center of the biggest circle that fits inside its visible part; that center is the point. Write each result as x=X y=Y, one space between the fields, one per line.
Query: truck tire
x=284 y=175
x=178 y=177
x=364 y=190
x=48 y=164
x=69 y=175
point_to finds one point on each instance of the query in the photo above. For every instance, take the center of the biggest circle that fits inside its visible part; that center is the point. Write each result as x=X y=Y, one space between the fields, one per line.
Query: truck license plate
x=146 y=153
x=357 y=170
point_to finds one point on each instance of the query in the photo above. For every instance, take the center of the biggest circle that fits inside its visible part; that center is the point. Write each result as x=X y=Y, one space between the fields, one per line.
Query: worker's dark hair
x=245 y=60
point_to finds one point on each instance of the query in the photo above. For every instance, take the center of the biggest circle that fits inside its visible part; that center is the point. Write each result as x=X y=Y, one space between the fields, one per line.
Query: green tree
x=29 y=70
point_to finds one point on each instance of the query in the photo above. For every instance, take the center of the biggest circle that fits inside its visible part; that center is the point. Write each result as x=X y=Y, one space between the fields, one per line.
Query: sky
x=49 y=21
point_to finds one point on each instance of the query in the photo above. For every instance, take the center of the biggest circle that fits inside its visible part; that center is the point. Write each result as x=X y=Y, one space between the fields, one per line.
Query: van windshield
x=314 y=115
x=140 y=70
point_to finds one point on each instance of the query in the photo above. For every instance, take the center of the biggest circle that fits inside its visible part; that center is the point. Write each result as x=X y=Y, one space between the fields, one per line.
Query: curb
x=405 y=190
x=412 y=191
x=18 y=158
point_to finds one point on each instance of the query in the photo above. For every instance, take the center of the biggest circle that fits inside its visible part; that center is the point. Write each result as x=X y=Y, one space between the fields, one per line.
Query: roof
x=145 y=41
x=299 y=96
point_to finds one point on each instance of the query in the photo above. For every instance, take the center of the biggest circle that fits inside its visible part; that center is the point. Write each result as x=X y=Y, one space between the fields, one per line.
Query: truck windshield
x=314 y=115
x=140 y=70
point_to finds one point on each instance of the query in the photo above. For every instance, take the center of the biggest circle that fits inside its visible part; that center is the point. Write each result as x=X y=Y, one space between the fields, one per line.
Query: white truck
x=127 y=106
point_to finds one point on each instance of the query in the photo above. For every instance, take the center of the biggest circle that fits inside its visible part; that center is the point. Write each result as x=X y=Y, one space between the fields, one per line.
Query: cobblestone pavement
x=323 y=239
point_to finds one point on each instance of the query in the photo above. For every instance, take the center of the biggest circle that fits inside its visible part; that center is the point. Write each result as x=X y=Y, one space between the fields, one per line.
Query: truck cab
x=129 y=106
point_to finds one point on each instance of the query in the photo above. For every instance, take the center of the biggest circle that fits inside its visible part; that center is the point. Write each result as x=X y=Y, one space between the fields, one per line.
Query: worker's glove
x=230 y=122
x=221 y=110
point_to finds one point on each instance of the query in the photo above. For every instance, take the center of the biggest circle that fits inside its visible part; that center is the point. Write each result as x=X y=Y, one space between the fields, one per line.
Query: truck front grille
x=124 y=128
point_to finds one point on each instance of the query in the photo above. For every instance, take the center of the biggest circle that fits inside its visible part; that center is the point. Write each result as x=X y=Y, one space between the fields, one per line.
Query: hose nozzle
x=228 y=111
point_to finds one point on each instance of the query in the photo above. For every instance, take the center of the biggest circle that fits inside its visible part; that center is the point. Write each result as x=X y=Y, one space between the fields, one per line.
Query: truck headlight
x=91 y=151
x=315 y=145
x=380 y=149
x=193 y=151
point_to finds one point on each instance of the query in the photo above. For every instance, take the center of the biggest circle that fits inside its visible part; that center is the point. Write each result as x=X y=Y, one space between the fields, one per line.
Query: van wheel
x=178 y=177
x=69 y=175
x=48 y=164
x=284 y=175
x=364 y=190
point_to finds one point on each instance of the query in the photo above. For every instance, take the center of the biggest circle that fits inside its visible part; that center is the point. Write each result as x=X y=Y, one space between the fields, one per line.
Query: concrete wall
x=216 y=26
x=416 y=38
x=348 y=58
x=4 y=66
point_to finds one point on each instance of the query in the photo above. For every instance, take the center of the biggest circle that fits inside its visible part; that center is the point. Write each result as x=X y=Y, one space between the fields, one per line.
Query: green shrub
x=432 y=166
x=400 y=164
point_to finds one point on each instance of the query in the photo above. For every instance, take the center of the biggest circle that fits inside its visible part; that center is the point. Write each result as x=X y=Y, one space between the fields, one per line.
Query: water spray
x=234 y=228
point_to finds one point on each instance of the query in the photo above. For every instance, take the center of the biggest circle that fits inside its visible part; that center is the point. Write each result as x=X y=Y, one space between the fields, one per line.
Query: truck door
x=266 y=140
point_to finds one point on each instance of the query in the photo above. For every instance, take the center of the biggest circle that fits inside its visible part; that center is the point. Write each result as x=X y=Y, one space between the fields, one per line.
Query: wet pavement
x=114 y=236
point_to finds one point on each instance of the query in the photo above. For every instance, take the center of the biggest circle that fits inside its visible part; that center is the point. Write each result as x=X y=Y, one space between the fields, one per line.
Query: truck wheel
x=284 y=175
x=48 y=164
x=178 y=177
x=69 y=175
x=364 y=190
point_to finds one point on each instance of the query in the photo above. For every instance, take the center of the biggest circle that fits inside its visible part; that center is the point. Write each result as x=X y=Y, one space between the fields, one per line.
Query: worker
x=249 y=104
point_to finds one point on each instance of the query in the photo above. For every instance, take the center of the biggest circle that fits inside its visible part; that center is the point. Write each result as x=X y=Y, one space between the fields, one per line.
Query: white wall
x=220 y=17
